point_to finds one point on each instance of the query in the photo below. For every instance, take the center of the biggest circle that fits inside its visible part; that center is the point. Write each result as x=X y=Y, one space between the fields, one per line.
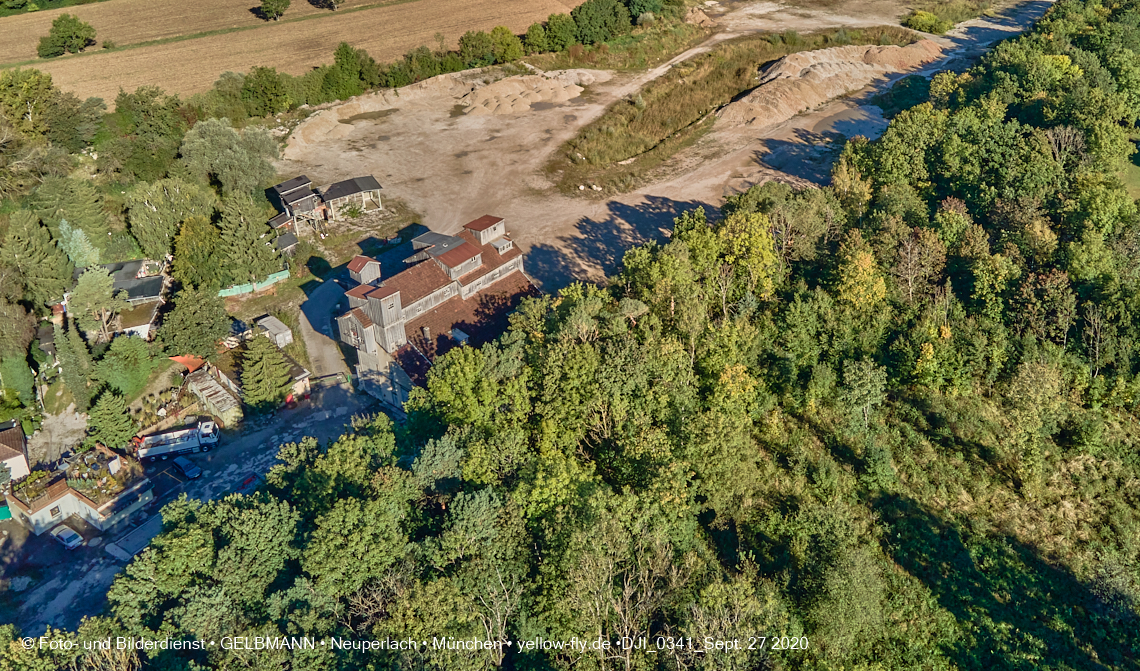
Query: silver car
x=68 y=536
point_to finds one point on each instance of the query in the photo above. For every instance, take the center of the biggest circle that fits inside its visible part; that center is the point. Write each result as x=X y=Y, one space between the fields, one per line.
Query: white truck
x=173 y=443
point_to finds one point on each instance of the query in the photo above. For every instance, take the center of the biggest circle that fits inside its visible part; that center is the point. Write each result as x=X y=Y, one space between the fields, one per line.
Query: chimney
x=427 y=334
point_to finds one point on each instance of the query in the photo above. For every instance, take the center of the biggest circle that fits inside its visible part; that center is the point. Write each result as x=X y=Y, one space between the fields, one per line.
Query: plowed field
x=192 y=65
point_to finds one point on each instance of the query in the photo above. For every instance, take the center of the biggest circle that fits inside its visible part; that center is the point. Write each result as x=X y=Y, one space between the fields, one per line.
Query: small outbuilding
x=276 y=330
x=358 y=191
x=364 y=269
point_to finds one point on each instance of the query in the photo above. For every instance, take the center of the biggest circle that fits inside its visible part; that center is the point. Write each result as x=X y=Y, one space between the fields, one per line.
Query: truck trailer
x=173 y=443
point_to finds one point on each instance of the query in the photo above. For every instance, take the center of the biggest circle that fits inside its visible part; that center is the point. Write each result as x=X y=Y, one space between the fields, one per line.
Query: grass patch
x=42 y=5
x=57 y=397
x=938 y=17
x=1130 y=174
x=366 y=235
x=903 y=95
x=643 y=48
x=635 y=135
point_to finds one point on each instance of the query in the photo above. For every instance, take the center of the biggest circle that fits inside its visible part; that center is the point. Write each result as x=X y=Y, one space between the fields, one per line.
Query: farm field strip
x=133 y=21
x=192 y=65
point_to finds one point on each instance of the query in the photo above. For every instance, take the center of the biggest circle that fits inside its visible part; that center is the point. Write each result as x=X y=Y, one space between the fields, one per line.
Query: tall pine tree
x=78 y=246
x=38 y=261
x=108 y=422
x=247 y=241
x=75 y=360
x=265 y=379
x=75 y=201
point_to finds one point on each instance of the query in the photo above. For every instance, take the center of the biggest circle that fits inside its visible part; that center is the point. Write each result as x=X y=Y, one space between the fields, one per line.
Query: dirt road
x=453 y=168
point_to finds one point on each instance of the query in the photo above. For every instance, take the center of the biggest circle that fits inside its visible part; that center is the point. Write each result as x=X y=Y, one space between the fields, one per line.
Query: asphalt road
x=317 y=314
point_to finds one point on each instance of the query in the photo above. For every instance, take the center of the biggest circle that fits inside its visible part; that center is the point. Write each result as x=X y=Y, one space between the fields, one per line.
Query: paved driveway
x=317 y=326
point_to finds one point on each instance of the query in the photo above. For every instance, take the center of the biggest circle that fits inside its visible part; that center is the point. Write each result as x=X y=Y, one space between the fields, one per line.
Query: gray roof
x=298 y=195
x=280 y=220
x=272 y=324
x=293 y=184
x=351 y=187
x=147 y=288
x=285 y=241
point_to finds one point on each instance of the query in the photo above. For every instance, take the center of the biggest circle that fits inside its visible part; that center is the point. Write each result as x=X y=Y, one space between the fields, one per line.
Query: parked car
x=187 y=467
x=68 y=536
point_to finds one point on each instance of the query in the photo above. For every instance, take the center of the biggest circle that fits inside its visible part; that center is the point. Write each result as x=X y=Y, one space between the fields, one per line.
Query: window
x=55 y=512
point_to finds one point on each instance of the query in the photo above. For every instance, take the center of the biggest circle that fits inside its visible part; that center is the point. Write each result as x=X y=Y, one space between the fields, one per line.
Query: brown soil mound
x=699 y=18
x=803 y=80
x=512 y=95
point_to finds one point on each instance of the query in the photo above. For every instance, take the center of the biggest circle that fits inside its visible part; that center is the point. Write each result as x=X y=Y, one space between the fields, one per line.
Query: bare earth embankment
x=191 y=66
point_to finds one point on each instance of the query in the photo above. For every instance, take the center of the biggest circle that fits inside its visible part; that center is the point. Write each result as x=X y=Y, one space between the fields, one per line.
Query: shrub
x=561 y=31
x=476 y=49
x=639 y=7
x=68 y=35
x=507 y=46
x=925 y=22
x=600 y=20
x=535 y=40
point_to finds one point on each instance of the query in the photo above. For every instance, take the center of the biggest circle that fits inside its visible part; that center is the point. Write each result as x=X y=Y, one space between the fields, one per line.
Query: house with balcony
x=99 y=486
x=456 y=289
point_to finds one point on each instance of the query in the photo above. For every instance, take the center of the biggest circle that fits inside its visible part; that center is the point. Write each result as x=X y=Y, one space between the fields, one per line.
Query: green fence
x=239 y=289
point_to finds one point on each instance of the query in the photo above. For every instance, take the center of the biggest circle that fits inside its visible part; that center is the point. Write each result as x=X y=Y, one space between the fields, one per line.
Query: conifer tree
x=62 y=199
x=247 y=241
x=265 y=378
x=197 y=261
x=196 y=324
x=75 y=360
x=29 y=249
x=157 y=210
x=77 y=245
x=108 y=422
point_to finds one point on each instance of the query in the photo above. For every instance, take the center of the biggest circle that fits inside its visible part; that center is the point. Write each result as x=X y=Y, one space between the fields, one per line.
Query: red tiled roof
x=491 y=259
x=359 y=291
x=382 y=292
x=418 y=281
x=12 y=443
x=361 y=317
x=358 y=262
x=458 y=256
x=483 y=223
x=483 y=317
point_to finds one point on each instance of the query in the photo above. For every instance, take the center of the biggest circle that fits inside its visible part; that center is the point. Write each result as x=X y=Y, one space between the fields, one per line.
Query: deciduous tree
x=238 y=162
x=94 y=301
x=274 y=9
x=68 y=35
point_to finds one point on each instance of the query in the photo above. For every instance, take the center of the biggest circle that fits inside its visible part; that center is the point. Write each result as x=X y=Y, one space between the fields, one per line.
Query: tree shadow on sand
x=596 y=246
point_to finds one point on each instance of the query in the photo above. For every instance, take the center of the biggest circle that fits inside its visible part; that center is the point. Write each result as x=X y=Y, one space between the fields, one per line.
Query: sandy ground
x=453 y=167
x=55 y=435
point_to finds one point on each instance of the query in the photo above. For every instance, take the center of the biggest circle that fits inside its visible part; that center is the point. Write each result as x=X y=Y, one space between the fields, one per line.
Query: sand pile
x=699 y=18
x=515 y=95
x=327 y=124
x=506 y=96
x=800 y=81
